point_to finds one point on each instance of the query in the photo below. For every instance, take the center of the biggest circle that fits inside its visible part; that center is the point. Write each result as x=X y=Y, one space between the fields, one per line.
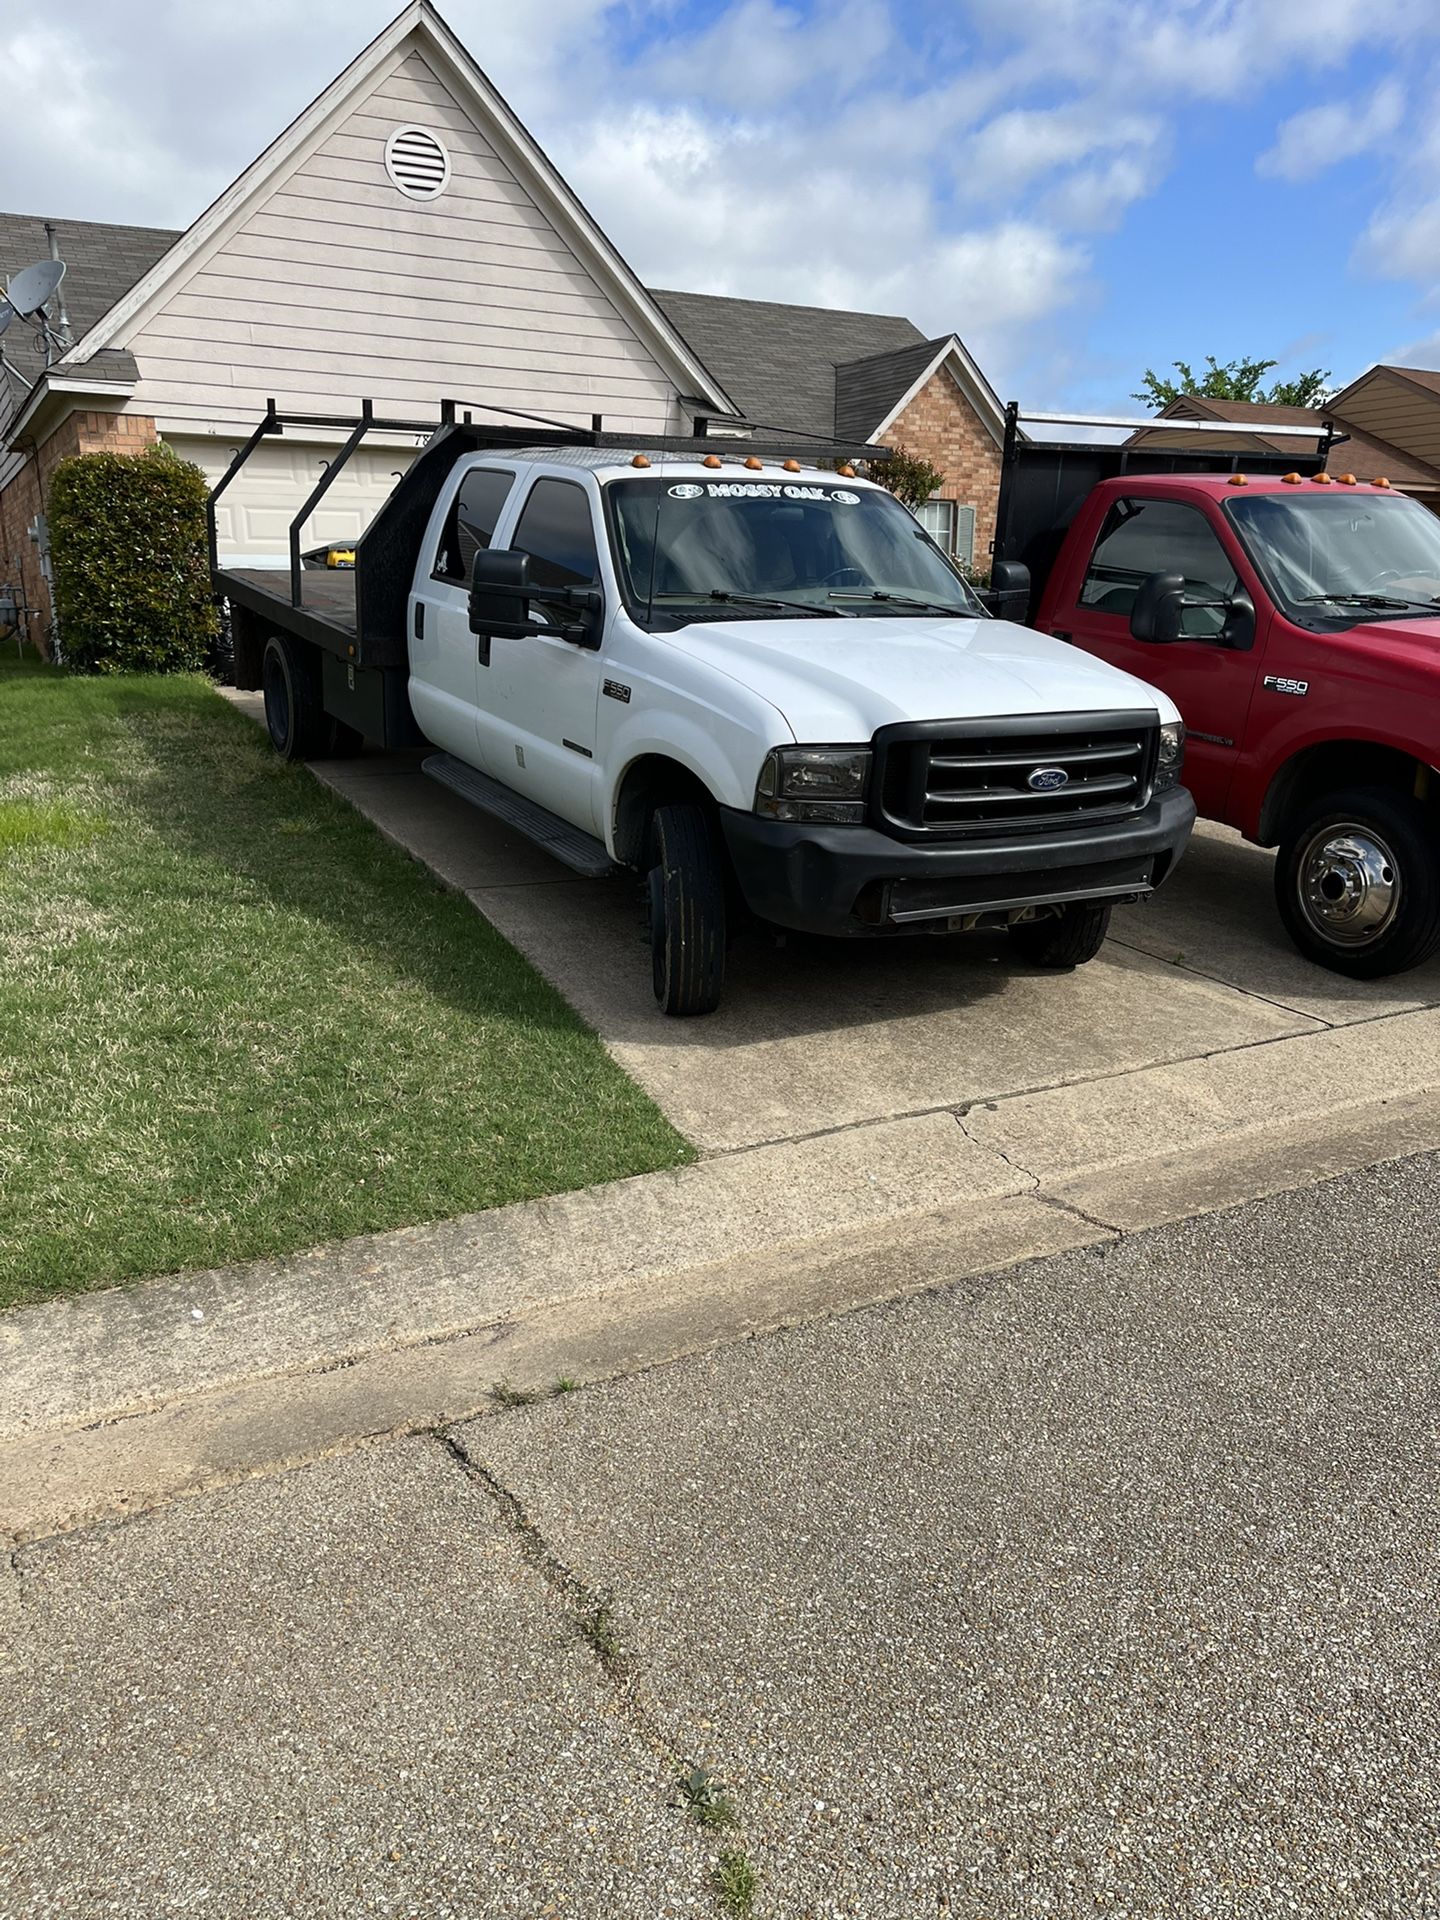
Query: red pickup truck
x=1291 y=609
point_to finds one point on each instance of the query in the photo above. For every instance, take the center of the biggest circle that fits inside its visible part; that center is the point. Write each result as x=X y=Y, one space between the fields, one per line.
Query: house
x=405 y=239
x=865 y=377
x=1389 y=417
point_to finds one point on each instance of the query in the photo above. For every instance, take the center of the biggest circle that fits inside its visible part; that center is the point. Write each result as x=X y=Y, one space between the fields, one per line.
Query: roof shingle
x=778 y=362
x=102 y=263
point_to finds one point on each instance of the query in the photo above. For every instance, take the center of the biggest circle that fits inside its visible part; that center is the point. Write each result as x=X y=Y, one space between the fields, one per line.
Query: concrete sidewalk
x=1105 y=1584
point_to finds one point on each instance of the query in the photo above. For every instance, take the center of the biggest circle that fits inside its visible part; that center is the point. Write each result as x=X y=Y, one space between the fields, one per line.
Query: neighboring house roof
x=101 y=264
x=1362 y=451
x=778 y=362
x=1399 y=405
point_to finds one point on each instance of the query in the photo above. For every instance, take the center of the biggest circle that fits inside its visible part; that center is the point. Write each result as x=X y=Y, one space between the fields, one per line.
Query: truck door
x=538 y=695
x=1209 y=682
x=444 y=655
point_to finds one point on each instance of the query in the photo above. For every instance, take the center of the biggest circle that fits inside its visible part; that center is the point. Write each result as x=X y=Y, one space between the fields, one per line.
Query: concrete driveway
x=820 y=1035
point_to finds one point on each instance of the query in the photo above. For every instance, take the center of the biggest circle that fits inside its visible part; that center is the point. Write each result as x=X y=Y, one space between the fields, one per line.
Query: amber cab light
x=846 y=473
x=711 y=460
x=792 y=466
x=639 y=461
x=1346 y=479
x=1321 y=479
x=1378 y=481
x=753 y=464
x=1238 y=480
x=1291 y=479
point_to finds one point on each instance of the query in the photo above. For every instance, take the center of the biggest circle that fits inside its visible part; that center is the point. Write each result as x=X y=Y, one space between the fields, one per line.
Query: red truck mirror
x=1159 y=607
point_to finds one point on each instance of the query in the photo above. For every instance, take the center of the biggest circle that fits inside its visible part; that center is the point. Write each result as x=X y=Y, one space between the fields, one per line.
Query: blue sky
x=1078 y=187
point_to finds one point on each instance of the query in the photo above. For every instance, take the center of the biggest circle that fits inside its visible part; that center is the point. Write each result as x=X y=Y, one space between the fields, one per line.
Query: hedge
x=128 y=554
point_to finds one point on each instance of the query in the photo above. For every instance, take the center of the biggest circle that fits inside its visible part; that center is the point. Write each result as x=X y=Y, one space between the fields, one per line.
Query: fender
x=1267 y=784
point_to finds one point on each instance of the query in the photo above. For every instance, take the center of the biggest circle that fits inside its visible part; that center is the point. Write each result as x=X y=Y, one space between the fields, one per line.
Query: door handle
x=419 y=619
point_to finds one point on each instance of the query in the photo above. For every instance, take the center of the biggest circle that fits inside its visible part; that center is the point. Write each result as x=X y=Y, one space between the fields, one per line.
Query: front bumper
x=857 y=881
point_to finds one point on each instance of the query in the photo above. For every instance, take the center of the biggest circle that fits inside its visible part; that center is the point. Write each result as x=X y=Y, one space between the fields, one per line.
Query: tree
x=911 y=479
x=1235 y=380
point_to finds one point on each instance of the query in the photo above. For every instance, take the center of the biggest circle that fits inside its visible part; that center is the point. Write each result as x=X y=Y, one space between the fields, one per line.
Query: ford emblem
x=1048 y=780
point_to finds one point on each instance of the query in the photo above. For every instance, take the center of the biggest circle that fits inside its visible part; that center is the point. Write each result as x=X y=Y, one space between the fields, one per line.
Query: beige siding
x=338 y=288
x=1400 y=412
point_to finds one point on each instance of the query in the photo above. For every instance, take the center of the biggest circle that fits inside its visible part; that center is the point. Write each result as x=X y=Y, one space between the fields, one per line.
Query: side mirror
x=1008 y=594
x=500 y=592
x=1159 y=605
x=1239 y=628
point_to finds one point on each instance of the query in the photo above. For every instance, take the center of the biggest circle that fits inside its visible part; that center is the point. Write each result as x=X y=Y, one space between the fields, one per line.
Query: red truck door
x=1210 y=682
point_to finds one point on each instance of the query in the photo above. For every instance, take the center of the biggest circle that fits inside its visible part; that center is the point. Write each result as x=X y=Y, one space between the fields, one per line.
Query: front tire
x=295 y=718
x=686 y=892
x=1065 y=940
x=1357 y=883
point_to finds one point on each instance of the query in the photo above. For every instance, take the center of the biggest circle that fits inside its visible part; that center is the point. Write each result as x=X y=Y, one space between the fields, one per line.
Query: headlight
x=1171 y=762
x=824 y=784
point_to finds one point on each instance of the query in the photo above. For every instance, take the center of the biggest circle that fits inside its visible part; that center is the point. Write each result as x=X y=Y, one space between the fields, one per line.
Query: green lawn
x=235 y=1021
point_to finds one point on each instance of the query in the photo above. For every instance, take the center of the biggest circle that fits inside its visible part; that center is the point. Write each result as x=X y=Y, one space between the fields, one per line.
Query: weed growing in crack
x=566 y=1385
x=598 y=1627
x=735 y=1880
x=507 y=1396
x=705 y=1799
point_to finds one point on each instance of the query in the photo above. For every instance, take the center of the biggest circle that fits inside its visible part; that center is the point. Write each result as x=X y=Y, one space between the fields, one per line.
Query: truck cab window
x=558 y=533
x=1141 y=537
x=471 y=521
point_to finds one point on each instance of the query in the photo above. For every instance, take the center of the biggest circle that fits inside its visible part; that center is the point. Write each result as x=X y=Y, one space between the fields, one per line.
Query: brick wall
x=941 y=426
x=91 y=431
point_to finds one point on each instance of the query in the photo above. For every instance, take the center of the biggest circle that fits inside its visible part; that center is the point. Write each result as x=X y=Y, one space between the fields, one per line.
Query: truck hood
x=838 y=680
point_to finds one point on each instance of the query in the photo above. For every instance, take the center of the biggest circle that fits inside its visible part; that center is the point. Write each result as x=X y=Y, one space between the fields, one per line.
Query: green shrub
x=911 y=479
x=128 y=550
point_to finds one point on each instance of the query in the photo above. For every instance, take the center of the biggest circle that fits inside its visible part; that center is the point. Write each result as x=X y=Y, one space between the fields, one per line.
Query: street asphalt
x=1106 y=1585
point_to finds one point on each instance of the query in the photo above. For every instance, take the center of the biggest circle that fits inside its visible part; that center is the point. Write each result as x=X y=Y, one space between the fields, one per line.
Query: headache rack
x=359 y=614
x=1045 y=480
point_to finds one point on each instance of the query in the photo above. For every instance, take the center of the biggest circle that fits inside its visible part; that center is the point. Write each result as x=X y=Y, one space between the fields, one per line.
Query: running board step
x=581 y=852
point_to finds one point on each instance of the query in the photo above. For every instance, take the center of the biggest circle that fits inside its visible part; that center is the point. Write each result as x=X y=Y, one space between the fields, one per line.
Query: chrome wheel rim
x=1349 y=884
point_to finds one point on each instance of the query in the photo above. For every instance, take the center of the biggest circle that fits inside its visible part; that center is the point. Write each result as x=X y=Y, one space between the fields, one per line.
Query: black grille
x=952 y=777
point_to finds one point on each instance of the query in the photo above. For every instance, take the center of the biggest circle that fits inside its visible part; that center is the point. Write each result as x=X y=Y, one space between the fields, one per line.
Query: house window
x=951 y=527
x=417 y=162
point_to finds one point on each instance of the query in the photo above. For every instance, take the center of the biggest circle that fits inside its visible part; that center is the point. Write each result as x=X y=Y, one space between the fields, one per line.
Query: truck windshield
x=699 y=548
x=1344 y=556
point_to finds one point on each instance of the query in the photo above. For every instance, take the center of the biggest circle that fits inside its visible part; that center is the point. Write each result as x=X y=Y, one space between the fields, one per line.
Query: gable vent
x=417 y=162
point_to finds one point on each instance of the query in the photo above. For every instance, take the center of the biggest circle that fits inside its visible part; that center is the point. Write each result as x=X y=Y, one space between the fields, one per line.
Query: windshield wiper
x=1376 y=600
x=725 y=598
x=904 y=600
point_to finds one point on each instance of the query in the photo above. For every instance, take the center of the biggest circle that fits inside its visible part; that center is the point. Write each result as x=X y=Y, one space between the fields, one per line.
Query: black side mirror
x=500 y=592
x=1008 y=594
x=1159 y=605
x=1239 y=628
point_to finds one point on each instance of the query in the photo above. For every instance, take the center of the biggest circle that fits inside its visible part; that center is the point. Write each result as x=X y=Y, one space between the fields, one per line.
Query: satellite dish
x=33 y=286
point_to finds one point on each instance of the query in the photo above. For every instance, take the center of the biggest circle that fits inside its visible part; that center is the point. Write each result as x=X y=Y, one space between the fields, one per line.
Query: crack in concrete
x=961 y=1118
x=582 y=1603
x=1034 y=1189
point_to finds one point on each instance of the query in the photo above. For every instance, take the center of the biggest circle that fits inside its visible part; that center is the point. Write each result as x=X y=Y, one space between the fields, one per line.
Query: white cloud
x=1320 y=137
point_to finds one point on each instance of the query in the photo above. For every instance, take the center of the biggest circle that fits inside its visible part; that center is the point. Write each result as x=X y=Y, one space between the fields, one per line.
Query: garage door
x=253 y=517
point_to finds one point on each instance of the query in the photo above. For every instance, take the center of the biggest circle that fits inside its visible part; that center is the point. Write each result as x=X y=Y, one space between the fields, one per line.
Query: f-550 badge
x=1279 y=683
x=616 y=690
